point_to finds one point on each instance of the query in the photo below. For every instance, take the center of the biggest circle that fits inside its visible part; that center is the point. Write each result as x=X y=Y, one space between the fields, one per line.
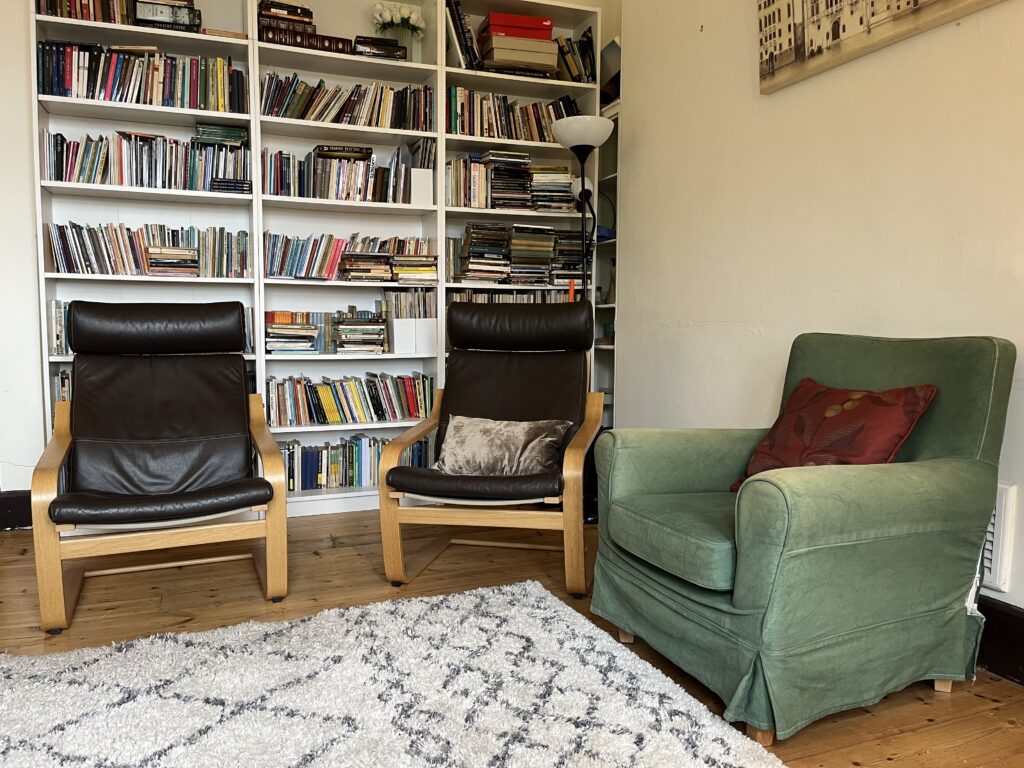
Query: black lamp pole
x=585 y=200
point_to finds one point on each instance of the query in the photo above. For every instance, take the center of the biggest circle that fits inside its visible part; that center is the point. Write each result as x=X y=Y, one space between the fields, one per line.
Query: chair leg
x=58 y=590
x=391 y=538
x=762 y=737
x=276 y=582
x=943 y=686
x=573 y=544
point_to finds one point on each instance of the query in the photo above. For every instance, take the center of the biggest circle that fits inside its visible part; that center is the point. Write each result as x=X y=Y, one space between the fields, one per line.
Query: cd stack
x=531 y=250
x=508 y=176
x=485 y=253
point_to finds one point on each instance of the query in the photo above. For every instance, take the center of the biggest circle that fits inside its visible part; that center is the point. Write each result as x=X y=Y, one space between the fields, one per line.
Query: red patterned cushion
x=822 y=425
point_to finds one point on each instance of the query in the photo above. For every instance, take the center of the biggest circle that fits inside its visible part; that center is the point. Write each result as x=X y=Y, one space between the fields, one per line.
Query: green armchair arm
x=640 y=461
x=840 y=547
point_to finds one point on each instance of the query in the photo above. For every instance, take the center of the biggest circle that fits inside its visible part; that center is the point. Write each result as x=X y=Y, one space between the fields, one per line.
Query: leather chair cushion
x=155 y=329
x=521 y=327
x=158 y=424
x=690 y=535
x=429 y=482
x=110 y=508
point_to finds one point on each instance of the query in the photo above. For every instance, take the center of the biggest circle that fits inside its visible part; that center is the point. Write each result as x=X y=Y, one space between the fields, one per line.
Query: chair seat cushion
x=429 y=482
x=79 y=508
x=690 y=535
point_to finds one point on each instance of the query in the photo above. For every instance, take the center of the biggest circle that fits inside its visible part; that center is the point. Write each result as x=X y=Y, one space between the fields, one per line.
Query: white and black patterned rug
x=506 y=676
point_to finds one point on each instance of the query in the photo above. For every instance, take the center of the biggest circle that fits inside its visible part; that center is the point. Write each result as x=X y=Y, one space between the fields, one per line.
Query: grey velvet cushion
x=488 y=447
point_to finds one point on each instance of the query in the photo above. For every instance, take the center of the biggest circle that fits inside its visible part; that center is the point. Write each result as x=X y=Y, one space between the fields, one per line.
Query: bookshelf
x=60 y=202
x=606 y=264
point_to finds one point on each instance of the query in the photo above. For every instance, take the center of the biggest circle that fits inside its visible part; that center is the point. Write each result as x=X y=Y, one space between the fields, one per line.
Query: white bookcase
x=606 y=268
x=60 y=202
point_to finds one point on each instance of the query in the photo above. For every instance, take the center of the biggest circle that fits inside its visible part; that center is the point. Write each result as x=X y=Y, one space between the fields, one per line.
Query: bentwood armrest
x=576 y=451
x=266 y=446
x=391 y=455
x=46 y=476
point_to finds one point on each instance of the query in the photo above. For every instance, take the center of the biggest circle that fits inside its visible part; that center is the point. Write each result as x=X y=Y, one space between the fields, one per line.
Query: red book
x=193 y=88
x=519 y=20
x=110 y=76
x=530 y=33
x=70 y=64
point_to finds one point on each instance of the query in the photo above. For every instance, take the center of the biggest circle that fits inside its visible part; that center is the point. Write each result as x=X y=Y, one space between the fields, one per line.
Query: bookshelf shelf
x=316 y=204
x=94 y=109
x=515 y=85
x=605 y=306
x=284 y=126
x=240 y=281
x=333 y=494
x=506 y=213
x=292 y=282
x=104 y=33
x=296 y=217
x=502 y=287
x=605 y=347
x=117 y=192
x=287 y=57
x=484 y=143
x=606 y=242
x=345 y=427
x=292 y=359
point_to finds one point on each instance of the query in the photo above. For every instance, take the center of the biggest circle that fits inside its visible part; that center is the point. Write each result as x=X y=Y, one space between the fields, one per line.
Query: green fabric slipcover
x=840 y=584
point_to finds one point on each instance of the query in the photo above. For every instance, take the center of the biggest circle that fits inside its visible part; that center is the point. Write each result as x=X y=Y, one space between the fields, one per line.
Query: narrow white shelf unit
x=607 y=261
x=256 y=213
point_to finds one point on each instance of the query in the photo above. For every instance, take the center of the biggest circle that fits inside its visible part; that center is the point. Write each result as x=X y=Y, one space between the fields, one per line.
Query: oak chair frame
x=60 y=586
x=558 y=513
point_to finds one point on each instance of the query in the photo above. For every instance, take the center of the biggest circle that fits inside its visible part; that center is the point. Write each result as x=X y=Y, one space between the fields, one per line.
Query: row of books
x=494 y=115
x=298 y=401
x=58 y=342
x=349 y=463
x=329 y=257
x=112 y=11
x=415 y=304
x=352 y=331
x=292 y=24
x=516 y=255
x=115 y=249
x=377 y=105
x=140 y=75
x=518 y=297
x=150 y=161
x=507 y=180
x=336 y=172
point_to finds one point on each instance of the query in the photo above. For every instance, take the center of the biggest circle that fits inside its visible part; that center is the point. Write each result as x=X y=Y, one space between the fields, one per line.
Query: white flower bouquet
x=389 y=16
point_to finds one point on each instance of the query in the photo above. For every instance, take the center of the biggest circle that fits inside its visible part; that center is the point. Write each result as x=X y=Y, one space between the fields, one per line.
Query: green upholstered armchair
x=813 y=589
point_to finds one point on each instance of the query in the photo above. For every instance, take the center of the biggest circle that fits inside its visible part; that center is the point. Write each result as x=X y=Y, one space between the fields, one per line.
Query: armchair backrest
x=160 y=401
x=972 y=376
x=517 y=362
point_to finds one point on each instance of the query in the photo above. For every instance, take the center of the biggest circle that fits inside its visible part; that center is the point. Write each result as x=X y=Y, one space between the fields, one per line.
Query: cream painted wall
x=21 y=417
x=883 y=197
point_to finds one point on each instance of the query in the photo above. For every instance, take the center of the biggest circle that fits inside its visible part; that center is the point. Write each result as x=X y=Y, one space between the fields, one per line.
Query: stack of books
x=485 y=253
x=296 y=333
x=285 y=23
x=518 y=44
x=508 y=180
x=531 y=250
x=567 y=264
x=380 y=48
x=366 y=266
x=170 y=261
x=327 y=257
x=414 y=268
x=336 y=172
x=359 y=332
x=551 y=187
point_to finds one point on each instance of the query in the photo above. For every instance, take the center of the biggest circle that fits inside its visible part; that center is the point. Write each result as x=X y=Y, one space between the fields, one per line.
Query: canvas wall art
x=801 y=38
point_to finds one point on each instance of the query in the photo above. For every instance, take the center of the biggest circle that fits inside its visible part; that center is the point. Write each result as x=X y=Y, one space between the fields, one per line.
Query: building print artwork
x=800 y=38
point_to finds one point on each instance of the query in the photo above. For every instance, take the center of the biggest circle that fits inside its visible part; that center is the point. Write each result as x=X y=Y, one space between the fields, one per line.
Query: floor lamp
x=581 y=135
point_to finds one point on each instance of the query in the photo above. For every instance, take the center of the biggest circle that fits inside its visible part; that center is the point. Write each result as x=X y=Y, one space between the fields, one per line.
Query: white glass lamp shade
x=582 y=131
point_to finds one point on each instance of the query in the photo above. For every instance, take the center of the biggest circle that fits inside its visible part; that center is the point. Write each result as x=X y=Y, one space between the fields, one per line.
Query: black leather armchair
x=159 y=440
x=510 y=362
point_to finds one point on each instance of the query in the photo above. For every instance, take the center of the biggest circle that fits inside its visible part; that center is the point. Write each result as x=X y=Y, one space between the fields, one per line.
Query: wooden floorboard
x=335 y=561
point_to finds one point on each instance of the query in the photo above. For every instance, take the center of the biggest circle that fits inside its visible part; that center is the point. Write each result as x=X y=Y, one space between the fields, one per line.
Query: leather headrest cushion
x=521 y=327
x=155 y=329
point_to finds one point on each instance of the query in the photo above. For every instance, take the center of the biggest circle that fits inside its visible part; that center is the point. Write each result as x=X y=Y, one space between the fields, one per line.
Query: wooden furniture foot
x=762 y=737
x=625 y=637
x=944 y=686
